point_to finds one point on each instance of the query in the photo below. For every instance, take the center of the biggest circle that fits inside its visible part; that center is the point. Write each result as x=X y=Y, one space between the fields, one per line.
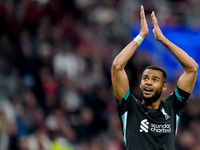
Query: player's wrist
x=163 y=40
x=138 y=39
x=144 y=33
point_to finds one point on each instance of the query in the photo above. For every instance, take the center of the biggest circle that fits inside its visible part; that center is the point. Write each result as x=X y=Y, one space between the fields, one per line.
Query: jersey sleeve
x=181 y=95
x=126 y=108
x=124 y=103
x=181 y=98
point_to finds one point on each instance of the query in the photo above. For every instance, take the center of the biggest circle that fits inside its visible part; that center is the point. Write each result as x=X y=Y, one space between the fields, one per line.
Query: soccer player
x=151 y=124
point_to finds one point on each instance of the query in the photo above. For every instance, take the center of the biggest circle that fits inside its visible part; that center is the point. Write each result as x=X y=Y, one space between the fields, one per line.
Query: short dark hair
x=159 y=68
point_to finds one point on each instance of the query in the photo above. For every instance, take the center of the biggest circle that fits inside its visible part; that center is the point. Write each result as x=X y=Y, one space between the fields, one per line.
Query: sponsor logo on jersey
x=145 y=126
x=161 y=128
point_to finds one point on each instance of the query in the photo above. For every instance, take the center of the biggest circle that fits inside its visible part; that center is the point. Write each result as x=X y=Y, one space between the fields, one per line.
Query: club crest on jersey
x=165 y=114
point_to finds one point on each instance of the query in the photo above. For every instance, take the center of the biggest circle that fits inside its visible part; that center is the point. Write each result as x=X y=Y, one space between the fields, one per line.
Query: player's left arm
x=187 y=80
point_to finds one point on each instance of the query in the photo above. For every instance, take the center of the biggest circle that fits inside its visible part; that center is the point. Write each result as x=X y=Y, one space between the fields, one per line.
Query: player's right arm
x=119 y=77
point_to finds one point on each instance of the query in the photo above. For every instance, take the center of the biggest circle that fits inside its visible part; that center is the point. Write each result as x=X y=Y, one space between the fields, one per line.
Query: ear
x=164 y=88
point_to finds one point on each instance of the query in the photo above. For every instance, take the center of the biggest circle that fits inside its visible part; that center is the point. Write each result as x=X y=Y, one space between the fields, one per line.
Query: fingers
x=154 y=19
x=144 y=31
x=142 y=14
x=141 y=10
x=157 y=31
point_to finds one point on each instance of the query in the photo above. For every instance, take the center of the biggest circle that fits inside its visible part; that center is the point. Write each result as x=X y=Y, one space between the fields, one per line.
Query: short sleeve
x=123 y=104
x=180 y=100
x=181 y=95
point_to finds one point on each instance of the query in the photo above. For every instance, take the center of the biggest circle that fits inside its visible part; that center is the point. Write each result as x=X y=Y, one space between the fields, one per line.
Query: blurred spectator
x=39 y=140
x=186 y=140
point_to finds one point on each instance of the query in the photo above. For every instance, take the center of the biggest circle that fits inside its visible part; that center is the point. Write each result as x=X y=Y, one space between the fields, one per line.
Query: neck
x=154 y=105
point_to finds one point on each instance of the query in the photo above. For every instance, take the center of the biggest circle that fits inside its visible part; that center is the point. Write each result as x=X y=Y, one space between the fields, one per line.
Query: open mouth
x=148 y=90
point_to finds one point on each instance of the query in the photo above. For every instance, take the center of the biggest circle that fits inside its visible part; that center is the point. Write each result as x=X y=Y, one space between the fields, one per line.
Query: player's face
x=152 y=85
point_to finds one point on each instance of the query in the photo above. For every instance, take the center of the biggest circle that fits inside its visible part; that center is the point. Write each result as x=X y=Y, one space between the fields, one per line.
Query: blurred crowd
x=55 y=60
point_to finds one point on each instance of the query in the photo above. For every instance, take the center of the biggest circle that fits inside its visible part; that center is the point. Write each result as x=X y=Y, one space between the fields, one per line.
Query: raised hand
x=157 y=32
x=144 y=31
